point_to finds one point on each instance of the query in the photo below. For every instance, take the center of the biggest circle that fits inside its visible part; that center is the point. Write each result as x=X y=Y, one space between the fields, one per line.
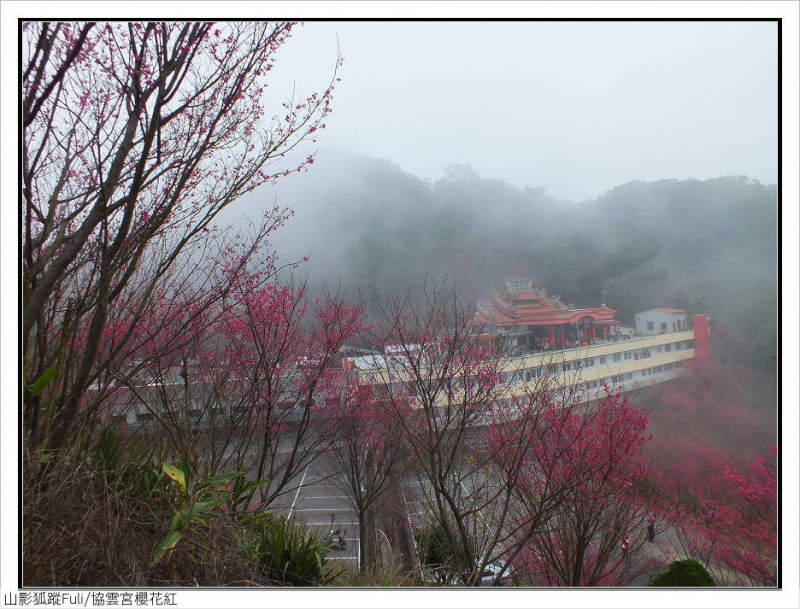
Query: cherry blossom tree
x=732 y=529
x=440 y=379
x=246 y=387
x=502 y=453
x=367 y=452
x=287 y=349
x=707 y=488
x=135 y=136
x=520 y=494
x=597 y=525
x=155 y=330
x=707 y=418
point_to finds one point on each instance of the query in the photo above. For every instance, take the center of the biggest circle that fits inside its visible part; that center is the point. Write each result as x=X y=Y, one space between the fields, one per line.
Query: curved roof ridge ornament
x=517 y=285
x=556 y=300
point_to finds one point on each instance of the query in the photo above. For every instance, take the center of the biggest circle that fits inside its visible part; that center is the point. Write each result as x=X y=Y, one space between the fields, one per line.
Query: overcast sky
x=576 y=107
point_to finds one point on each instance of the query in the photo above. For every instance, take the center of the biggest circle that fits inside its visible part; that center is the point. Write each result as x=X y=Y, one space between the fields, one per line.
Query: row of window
x=589 y=362
x=614 y=380
x=663 y=368
x=677 y=326
x=624 y=356
x=617 y=380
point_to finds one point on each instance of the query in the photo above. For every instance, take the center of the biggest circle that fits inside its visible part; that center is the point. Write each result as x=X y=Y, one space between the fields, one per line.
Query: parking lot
x=320 y=501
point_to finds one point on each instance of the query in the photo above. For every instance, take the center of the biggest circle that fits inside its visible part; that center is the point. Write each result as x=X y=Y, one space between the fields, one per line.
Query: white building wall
x=654 y=322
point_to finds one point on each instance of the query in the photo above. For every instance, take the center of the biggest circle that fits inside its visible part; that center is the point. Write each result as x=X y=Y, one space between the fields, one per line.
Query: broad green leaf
x=219 y=479
x=206 y=504
x=198 y=520
x=254 y=484
x=42 y=382
x=177 y=475
x=169 y=542
x=178 y=520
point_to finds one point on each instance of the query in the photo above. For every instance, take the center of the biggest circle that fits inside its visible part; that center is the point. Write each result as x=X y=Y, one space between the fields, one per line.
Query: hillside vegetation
x=705 y=246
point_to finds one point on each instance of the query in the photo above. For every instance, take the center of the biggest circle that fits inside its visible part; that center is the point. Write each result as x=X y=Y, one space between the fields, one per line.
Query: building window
x=646 y=353
x=658 y=349
x=602 y=359
x=663 y=327
x=628 y=355
x=667 y=348
x=566 y=366
x=678 y=346
x=588 y=362
x=617 y=357
x=649 y=325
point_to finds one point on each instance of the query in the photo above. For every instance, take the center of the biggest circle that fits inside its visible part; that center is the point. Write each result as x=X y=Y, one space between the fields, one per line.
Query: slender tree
x=367 y=453
x=155 y=330
x=135 y=136
x=440 y=379
x=288 y=349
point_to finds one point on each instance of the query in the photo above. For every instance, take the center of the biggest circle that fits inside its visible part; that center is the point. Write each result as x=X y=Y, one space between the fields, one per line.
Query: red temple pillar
x=552 y=337
x=605 y=332
x=594 y=333
x=563 y=339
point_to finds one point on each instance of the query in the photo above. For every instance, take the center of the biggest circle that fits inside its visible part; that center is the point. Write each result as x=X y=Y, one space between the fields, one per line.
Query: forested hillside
x=705 y=246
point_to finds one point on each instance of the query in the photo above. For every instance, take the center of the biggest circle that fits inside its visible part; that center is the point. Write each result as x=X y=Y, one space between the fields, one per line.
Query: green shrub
x=684 y=573
x=437 y=554
x=198 y=501
x=287 y=553
x=126 y=465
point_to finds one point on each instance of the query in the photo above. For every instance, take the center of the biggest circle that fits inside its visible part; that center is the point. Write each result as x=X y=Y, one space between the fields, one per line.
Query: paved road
x=318 y=495
x=318 y=499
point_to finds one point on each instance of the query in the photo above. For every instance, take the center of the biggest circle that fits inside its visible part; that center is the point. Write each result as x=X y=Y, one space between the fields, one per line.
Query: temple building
x=585 y=351
x=525 y=319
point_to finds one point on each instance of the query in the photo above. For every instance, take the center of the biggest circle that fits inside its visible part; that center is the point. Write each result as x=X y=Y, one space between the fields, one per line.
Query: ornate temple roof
x=523 y=304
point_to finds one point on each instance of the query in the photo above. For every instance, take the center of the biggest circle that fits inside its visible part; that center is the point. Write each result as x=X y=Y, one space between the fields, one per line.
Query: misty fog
x=707 y=246
x=631 y=163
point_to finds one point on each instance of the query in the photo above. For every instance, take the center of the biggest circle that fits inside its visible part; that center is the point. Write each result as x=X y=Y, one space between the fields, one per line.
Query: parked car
x=490 y=573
